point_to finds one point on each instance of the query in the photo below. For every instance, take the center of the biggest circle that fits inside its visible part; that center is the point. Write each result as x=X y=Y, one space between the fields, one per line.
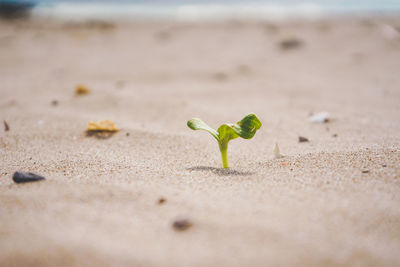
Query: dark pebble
x=303 y=139
x=220 y=76
x=54 y=103
x=272 y=28
x=365 y=171
x=161 y=200
x=182 y=224
x=128 y=134
x=26 y=177
x=6 y=126
x=120 y=84
x=243 y=69
x=384 y=165
x=163 y=35
x=335 y=135
x=290 y=44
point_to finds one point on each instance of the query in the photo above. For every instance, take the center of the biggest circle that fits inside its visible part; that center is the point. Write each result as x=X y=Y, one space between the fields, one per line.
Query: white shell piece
x=277 y=152
x=320 y=117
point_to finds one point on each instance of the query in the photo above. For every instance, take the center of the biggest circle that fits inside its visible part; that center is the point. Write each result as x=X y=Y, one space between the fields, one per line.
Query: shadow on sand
x=219 y=171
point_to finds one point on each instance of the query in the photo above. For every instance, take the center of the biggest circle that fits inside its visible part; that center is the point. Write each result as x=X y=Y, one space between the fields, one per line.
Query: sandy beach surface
x=332 y=201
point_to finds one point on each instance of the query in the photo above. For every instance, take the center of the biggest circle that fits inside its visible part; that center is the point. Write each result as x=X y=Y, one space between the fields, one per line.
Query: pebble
x=26 y=177
x=163 y=35
x=182 y=224
x=220 y=76
x=290 y=43
x=81 y=90
x=120 y=84
x=365 y=171
x=6 y=126
x=161 y=200
x=303 y=139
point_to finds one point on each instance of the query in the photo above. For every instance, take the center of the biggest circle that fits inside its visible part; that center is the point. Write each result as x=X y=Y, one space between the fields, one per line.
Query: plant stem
x=223 y=147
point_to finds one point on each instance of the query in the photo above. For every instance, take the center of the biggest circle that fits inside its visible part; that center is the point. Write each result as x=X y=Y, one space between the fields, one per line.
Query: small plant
x=246 y=128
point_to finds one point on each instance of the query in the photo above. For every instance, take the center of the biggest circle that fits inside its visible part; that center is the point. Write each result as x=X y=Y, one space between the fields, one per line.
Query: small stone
x=6 y=126
x=128 y=134
x=182 y=224
x=81 y=90
x=290 y=43
x=161 y=201
x=365 y=171
x=120 y=84
x=102 y=129
x=243 y=69
x=272 y=27
x=303 y=139
x=25 y=177
x=163 y=35
x=384 y=165
x=54 y=103
x=220 y=76
x=335 y=135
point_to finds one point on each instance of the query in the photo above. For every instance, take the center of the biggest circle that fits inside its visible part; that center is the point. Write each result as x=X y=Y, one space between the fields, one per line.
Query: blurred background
x=192 y=10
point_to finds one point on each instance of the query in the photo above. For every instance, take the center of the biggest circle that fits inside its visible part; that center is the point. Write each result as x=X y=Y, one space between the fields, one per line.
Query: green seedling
x=246 y=128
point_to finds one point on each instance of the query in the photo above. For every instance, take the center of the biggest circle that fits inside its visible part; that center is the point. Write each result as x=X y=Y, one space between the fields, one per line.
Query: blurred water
x=192 y=10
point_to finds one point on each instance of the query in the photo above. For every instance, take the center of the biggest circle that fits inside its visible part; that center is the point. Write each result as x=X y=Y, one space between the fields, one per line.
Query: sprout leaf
x=198 y=124
x=246 y=128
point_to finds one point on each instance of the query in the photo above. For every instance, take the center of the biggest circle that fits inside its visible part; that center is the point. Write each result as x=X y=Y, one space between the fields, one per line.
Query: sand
x=331 y=201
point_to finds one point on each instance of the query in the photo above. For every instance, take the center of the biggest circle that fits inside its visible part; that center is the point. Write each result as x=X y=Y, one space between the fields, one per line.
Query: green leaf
x=198 y=124
x=226 y=132
x=246 y=128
